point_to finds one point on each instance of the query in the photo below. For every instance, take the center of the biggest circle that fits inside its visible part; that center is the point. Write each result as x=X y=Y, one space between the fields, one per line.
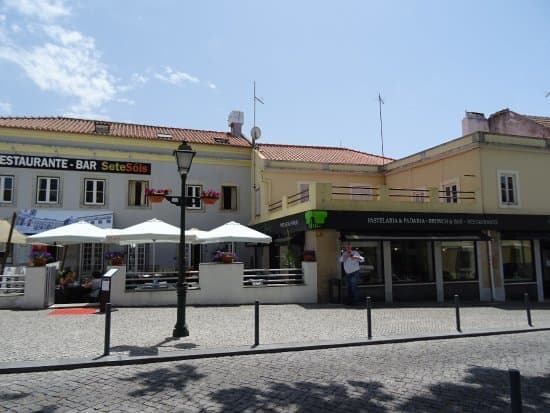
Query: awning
x=33 y=221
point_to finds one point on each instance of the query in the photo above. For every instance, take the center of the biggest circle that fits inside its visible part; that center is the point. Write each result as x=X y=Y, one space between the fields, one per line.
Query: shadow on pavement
x=163 y=379
x=153 y=350
x=483 y=389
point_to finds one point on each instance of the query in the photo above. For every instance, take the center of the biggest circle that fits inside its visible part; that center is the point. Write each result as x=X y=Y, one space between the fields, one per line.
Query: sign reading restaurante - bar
x=74 y=164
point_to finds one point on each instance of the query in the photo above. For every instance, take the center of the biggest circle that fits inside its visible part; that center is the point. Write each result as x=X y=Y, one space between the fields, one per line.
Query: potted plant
x=115 y=257
x=40 y=258
x=156 y=195
x=225 y=257
x=308 y=255
x=209 y=196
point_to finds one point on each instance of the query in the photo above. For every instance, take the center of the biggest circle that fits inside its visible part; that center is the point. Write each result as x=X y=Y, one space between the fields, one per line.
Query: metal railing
x=12 y=284
x=159 y=281
x=273 y=277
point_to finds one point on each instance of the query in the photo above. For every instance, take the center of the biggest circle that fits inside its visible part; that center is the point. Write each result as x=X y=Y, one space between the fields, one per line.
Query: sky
x=319 y=66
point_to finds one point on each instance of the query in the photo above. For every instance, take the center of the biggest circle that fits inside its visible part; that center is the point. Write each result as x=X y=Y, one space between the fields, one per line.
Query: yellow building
x=466 y=217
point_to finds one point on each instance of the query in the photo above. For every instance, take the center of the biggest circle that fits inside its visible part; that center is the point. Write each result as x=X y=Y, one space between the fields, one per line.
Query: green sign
x=315 y=219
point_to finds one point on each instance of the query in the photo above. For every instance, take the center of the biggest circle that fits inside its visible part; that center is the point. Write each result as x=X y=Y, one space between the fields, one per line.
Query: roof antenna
x=380 y=103
x=255 y=132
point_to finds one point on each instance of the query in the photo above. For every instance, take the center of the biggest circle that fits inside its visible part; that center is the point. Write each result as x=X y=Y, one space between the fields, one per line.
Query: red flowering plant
x=210 y=193
x=152 y=191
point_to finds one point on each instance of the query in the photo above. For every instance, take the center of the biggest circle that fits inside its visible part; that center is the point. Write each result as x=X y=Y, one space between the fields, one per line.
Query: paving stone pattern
x=35 y=335
x=460 y=375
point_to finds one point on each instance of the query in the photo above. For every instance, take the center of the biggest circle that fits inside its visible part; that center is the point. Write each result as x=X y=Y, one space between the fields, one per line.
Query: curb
x=125 y=360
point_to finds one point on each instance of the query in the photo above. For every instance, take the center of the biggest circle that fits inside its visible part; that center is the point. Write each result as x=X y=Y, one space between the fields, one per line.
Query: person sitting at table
x=66 y=278
x=94 y=285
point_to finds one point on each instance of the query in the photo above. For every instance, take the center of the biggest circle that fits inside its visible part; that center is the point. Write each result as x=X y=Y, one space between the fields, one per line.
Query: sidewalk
x=36 y=335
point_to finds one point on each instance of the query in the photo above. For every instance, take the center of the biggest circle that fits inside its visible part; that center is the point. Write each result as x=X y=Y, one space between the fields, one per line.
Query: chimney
x=235 y=121
x=474 y=122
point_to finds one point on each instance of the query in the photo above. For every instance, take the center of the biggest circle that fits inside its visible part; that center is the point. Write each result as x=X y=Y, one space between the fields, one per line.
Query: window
x=412 y=262
x=450 y=192
x=47 y=190
x=193 y=196
x=92 y=258
x=6 y=189
x=229 y=197
x=509 y=188
x=136 y=193
x=94 y=191
x=517 y=260
x=458 y=260
x=136 y=257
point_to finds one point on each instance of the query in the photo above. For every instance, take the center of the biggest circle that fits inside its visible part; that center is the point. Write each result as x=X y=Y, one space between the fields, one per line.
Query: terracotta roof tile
x=541 y=120
x=319 y=154
x=118 y=129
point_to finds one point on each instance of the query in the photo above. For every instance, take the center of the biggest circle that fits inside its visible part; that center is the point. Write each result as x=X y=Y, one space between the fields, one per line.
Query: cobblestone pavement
x=36 y=335
x=460 y=375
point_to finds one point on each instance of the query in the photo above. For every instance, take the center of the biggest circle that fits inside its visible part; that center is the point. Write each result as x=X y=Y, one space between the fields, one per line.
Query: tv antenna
x=380 y=103
x=255 y=132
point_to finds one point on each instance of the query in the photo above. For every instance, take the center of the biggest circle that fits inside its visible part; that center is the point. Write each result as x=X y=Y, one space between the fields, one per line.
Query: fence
x=218 y=284
x=28 y=287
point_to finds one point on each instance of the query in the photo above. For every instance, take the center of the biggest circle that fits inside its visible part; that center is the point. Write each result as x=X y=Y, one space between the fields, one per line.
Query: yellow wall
x=463 y=166
x=533 y=167
x=285 y=182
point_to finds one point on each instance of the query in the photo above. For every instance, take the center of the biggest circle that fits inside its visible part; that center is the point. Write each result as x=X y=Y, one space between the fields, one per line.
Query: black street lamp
x=184 y=156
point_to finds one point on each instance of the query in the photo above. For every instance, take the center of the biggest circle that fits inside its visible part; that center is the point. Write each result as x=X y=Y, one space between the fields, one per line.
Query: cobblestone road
x=461 y=375
x=36 y=335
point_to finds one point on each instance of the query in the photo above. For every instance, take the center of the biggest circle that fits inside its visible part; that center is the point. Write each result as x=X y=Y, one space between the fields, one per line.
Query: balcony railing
x=375 y=198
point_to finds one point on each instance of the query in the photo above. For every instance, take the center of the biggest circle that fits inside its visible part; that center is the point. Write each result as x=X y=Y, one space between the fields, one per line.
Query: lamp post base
x=180 y=331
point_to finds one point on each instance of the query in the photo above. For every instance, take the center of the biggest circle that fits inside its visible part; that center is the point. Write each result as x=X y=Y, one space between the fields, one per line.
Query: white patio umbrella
x=77 y=233
x=233 y=232
x=151 y=231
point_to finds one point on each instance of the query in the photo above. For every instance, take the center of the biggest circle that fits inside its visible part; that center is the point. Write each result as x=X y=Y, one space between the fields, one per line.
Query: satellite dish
x=255 y=132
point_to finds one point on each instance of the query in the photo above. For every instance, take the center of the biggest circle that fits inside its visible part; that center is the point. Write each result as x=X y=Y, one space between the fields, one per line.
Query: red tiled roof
x=118 y=129
x=541 y=120
x=319 y=154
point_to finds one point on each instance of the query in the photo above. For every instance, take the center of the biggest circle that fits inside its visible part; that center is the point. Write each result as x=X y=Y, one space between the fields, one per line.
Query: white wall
x=219 y=284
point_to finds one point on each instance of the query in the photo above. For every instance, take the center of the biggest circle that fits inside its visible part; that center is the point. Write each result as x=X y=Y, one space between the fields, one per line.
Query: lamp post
x=184 y=156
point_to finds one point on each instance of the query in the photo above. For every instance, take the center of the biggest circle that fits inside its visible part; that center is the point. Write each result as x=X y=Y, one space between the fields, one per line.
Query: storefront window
x=412 y=262
x=517 y=260
x=458 y=260
x=371 y=271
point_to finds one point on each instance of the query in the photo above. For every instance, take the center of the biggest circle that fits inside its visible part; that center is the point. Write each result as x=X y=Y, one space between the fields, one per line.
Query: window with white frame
x=193 y=196
x=91 y=258
x=47 y=190
x=136 y=193
x=6 y=189
x=94 y=191
x=229 y=197
x=361 y=192
x=509 y=188
x=450 y=191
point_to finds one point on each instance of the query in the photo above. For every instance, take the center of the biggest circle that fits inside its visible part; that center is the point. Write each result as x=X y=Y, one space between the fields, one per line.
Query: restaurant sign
x=74 y=164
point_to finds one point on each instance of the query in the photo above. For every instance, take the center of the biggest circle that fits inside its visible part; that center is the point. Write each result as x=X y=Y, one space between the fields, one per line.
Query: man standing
x=351 y=260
